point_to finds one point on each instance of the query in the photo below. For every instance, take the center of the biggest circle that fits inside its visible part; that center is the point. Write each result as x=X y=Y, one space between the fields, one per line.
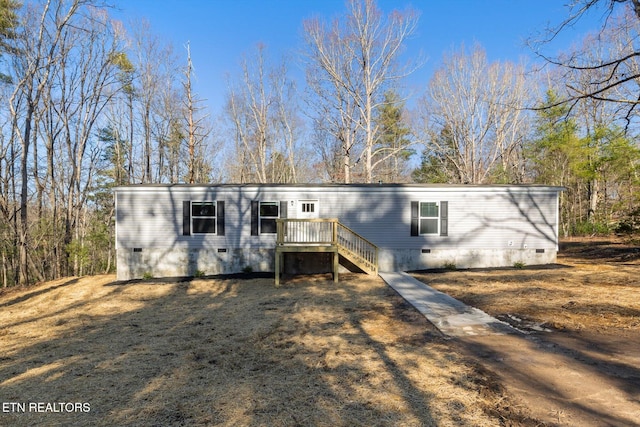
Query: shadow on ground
x=230 y=351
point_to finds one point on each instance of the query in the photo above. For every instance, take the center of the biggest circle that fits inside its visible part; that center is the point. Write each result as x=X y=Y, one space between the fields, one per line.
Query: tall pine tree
x=392 y=153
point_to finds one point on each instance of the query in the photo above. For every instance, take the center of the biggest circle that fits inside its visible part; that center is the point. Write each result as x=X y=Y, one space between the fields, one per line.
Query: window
x=430 y=218
x=203 y=217
x=269 y=211
x=264 y=215
x=429 y=215
x=308 y=207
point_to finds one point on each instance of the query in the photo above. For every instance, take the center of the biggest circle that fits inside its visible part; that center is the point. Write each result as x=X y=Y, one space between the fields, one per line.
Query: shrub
x=630 y=224
x=450 y=265
x=588 y=228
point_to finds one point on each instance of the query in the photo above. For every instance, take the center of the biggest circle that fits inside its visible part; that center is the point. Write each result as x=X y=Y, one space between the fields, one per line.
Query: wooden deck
x=324 y=235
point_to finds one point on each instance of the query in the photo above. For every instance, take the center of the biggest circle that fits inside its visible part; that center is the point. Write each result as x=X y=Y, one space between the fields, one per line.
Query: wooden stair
x=361 y=252
x=324 y=235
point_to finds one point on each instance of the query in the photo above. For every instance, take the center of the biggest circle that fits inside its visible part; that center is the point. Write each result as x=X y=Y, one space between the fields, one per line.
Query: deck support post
x=278 y=266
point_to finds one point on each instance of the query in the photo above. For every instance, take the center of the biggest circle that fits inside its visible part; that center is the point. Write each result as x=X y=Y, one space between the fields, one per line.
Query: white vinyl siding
x=479 y=217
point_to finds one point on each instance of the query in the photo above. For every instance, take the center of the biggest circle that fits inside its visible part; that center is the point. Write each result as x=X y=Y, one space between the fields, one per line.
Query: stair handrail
x=373 y=262
x=361 y=249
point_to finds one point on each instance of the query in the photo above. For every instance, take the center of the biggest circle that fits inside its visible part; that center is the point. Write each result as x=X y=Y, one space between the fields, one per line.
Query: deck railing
x=305 y=231
x=328 y=231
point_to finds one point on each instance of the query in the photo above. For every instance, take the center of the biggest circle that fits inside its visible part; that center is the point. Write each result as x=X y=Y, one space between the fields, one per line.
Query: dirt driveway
x=578 y=362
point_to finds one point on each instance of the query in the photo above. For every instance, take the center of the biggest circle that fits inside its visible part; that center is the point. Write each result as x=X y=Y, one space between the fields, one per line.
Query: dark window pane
x=429 y=209
x=203 y=209
x=204 y=225
x=269 y=209
x=428 y=226
x=267 y=225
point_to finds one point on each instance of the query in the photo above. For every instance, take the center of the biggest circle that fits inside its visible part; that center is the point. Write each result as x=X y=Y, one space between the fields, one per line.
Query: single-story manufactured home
x=186 y=230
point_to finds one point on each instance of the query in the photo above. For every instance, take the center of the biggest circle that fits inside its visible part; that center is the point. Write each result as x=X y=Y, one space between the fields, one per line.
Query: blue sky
x=221 y=31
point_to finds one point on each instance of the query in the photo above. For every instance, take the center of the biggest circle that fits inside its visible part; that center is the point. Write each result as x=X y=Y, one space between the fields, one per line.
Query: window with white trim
x=269 y=212
x=203 y=217
x=429 y=218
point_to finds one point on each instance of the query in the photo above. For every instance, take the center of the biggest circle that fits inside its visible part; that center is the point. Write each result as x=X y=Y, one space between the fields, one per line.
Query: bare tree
x=262 y=115
x=593 y=116
x=38 y=46
x=155 y=66
x=614 y=75
x=355 y=60
x=85 y=82
x=114 y=130
x=599 y=83
x=338 y=134
x=197 y=132
x=8 y=210
x=479 y=107
x=121 y=107
x=68 y=135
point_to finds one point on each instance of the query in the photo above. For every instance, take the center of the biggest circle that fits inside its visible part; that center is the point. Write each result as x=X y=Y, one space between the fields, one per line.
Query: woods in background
x=92 y=103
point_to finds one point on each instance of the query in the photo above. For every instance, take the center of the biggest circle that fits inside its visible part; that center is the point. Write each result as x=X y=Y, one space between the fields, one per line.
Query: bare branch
x=351 y=64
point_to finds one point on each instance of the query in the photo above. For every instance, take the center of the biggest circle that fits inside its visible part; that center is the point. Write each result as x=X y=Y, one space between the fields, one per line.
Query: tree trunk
x=24 y=193
x=347 y=168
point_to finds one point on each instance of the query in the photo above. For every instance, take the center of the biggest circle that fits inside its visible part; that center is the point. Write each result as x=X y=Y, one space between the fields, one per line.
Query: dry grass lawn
x=578 y=362
x=593 y=287
x=233 y=351
x=237 y=351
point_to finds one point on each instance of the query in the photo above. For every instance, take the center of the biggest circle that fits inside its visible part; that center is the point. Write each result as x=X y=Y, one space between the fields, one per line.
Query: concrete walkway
x=562 y=381
x=452 y=317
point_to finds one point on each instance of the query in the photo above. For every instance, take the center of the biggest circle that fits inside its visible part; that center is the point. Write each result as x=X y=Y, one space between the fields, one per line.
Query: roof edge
x=139 y=187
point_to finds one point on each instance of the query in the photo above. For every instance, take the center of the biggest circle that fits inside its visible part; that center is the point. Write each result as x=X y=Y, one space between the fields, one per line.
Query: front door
x=309 y=232
x=308 y=209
